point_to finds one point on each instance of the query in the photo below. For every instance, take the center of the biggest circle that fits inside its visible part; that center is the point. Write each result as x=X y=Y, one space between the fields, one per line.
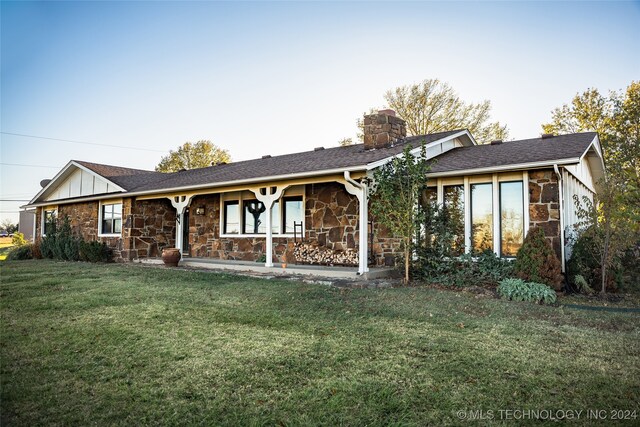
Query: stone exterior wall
x=83 y=218
x=331 y=219
x=148 y=227
x=544 y=205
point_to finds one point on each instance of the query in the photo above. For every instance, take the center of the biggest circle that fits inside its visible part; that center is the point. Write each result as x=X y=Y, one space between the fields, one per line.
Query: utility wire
x=14 y=200
x=81 y=142
x=30 y=166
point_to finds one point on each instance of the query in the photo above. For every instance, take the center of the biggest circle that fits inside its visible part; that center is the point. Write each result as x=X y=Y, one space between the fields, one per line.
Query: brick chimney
x=383 y=129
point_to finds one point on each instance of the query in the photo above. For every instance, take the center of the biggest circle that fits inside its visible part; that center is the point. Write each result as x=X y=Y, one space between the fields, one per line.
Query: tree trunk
x=407 y=254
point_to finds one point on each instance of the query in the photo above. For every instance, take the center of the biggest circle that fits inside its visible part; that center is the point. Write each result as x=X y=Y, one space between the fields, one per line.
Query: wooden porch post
x=180 y=203
x=360 y=191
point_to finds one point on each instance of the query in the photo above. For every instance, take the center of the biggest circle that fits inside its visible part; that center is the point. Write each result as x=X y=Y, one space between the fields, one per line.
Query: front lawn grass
x=127 y=345
x=6 y=244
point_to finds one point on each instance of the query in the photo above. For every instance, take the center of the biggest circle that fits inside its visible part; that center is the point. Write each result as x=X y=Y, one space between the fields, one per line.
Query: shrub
x=584 y=263
x=519 y=290
x=61 y=243
x=536 y=260
x=18 y=239
x=20 y=253
x=466 y=270
x=94 y=252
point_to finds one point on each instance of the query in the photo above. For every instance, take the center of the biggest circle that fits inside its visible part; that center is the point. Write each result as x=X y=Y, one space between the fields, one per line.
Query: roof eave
x=504 y=168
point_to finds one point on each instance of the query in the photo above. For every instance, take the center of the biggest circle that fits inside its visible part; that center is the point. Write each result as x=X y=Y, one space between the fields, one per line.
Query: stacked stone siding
x=544 y=205
x=148 y=227
x=383 y=129
x=83 y=218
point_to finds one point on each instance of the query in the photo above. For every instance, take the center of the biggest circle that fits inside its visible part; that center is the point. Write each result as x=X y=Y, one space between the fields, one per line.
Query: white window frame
x=242 y=196
x=43 y=216
x=109 y=202
x=495 y=179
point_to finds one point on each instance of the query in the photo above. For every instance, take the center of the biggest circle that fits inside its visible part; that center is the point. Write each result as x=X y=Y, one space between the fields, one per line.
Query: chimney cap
x=318 y=149
x=387 y=112
x=218 y=163
x=496 y=142
x=266 y=156
x=547 y=135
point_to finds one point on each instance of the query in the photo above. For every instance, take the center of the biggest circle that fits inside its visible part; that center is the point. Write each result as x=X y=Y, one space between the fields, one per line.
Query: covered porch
x=230 y=227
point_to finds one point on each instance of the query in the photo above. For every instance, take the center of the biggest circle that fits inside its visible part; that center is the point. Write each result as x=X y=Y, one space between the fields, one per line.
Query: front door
x=185 y=232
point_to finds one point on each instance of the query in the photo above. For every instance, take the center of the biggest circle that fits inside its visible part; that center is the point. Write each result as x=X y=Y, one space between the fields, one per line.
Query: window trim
x=240 y=196
x=43 y=219
x=223 y=217
x=493 y=208
x=107 y=203
x=500 y=213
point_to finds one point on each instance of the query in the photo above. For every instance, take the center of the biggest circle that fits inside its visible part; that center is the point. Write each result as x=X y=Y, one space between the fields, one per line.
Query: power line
x=30 y=166
x=81 y=142
x=14 y=200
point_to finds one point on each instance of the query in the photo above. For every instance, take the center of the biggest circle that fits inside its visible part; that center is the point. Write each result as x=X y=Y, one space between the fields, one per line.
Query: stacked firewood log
x=313 y=253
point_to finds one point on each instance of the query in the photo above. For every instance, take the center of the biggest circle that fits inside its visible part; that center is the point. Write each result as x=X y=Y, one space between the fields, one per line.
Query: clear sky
x=272 y=78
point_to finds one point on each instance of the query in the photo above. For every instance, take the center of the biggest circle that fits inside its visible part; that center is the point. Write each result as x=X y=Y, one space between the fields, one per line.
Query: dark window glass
x=481 y=217
x=49 y=221
x=231 y=217
x=453 y=196
x=511 y=218
x=292 y=211
x=111 y=218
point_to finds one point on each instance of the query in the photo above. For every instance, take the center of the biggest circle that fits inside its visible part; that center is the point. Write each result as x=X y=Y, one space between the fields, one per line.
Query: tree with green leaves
x=192 y=156
x=433 y=106
x=607 y=226
x=396 y=193
x=616 y=118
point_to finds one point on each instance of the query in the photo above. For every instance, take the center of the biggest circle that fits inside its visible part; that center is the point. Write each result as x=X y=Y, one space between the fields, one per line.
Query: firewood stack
x=313 y=253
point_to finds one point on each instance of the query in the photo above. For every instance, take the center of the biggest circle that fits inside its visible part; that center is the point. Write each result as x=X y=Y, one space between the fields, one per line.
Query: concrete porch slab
x=347 y=273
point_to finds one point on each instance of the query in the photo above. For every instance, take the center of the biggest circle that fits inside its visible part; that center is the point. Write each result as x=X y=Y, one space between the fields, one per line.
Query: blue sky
x=271 y=78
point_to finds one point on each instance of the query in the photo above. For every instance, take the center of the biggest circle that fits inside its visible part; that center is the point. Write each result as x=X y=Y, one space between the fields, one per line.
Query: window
x=292 y=211
x=231 y=217
x=453 y=201
x=111 y=218
x=511 y=218
x=481 y=217
x=49 y=221
x=255 y=217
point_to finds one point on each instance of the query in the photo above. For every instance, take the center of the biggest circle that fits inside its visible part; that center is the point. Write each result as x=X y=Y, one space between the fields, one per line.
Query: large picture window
x=111 y=219
x=481 y=217
x=511 y=218
x=453 y=201
x=231 y=217
x=49 y=221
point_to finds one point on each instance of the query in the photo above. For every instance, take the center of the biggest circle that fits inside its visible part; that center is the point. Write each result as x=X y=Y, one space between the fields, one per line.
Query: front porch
x=316 y=271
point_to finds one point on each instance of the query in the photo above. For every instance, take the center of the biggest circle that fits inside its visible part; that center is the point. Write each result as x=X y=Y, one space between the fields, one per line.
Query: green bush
x=466 y=270
x=519 y=290
x=94 y=252
x=536 y=260
x=20 y=253
x=61 y=244
x=584 y=263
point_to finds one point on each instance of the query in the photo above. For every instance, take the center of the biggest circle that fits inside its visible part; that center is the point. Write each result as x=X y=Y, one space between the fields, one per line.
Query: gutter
x=561 y=207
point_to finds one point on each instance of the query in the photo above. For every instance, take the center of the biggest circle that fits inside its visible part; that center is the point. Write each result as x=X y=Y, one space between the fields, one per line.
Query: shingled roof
x=354 y=157
x=288 y=164
x=524 y=151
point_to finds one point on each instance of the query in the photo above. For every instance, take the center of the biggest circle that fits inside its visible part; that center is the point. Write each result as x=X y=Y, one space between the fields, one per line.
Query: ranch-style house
x=321 y=198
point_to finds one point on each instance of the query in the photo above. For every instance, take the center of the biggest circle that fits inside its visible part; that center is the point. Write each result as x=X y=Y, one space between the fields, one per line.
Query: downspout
x=364 y=217
x=561 y=206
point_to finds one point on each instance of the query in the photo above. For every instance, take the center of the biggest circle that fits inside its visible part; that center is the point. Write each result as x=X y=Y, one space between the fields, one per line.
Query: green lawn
x=126 y=345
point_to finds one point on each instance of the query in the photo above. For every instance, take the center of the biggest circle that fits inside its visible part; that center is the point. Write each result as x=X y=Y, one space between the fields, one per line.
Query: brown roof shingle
x=514 y=152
